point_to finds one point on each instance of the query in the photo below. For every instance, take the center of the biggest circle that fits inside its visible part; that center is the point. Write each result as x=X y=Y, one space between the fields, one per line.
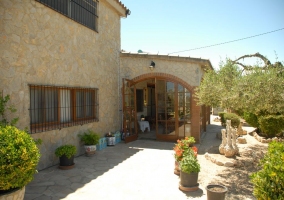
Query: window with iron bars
x=84 y=12
x=53 y=107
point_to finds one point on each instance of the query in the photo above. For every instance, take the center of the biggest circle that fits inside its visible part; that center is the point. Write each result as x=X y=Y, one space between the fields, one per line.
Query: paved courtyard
x=139 y=170
x=142 y=169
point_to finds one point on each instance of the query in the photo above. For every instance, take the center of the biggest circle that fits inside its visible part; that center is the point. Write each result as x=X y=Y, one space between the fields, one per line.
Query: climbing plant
x=5 y=109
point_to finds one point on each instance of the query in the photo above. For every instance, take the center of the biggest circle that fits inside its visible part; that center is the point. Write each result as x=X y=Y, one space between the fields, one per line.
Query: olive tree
x=255 y=92
x=218 y=88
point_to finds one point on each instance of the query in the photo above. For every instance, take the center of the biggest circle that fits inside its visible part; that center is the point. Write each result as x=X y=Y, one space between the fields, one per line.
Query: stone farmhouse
x=62 y=65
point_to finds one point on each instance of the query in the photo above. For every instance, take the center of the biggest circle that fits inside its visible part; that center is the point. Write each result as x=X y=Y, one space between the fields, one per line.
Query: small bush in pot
x=89 y=138
x=19 y=156
x=67 y=150
x=189 y=163
x=66 y=156
x=189 y=169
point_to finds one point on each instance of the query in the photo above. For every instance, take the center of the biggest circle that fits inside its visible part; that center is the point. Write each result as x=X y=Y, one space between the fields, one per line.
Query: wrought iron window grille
x=84 y=12
x=56 y=107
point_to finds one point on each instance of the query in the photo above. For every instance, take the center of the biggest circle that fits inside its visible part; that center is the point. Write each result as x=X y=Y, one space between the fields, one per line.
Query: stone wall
x=185 y=70
x=40 y=46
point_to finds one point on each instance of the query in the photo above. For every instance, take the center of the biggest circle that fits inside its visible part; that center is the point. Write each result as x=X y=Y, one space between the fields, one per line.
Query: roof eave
x=119 y=6
x=204 y=63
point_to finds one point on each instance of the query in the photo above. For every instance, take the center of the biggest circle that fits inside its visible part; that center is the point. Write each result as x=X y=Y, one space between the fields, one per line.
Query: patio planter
x=110 y=141
x=90 y=149
x=216 y=192
x=102 y=144
x=13 y=194
x=177 y=168
x=117 y=137
x=110 y=137
x=188 y=182
x=66 y=163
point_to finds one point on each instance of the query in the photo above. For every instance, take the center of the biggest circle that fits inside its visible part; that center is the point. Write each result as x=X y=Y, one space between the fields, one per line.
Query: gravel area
x=235 y=178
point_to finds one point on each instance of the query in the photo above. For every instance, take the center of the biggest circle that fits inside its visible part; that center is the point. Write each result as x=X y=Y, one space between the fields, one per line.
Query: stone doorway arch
x=193 y=124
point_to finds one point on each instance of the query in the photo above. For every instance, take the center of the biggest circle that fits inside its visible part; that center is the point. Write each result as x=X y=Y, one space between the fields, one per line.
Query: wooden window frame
x=39 y=123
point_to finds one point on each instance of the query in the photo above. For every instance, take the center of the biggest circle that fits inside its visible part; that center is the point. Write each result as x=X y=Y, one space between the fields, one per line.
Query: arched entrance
x=163 y=101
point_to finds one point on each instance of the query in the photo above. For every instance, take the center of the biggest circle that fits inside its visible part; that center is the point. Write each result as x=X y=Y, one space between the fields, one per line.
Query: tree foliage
x=218 y=88
x=248 y=90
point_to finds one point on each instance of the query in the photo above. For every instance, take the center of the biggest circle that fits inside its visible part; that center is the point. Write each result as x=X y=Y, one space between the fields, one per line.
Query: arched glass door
x=172 y=110
x=166 y=106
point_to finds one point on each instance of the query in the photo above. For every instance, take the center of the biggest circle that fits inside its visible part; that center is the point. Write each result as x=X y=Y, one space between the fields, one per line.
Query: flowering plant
x=184 y=147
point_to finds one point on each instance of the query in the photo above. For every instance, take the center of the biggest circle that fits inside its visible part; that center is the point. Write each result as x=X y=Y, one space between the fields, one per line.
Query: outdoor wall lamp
x=152 y=65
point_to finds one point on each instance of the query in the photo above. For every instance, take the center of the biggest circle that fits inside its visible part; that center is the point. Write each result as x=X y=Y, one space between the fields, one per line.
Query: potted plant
x=110 y=139
x=90 y=139
x=19 y=156
x=66 y=156
x=189 y=169
x=216 y=192
x=179 y=149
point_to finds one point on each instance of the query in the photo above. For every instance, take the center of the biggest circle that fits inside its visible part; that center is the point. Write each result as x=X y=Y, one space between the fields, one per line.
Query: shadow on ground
x=236 y=179
x=54 y=183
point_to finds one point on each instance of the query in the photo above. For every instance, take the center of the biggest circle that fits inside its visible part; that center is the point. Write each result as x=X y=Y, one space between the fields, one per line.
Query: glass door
x=130 y=132
x=184 y=122
x=166 y=110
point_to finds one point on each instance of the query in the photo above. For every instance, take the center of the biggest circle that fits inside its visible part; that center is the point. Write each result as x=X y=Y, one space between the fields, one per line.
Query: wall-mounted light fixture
x=152 y=65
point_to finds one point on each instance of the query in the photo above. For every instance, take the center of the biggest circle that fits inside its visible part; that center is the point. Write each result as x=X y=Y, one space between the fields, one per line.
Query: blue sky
x=164 y=26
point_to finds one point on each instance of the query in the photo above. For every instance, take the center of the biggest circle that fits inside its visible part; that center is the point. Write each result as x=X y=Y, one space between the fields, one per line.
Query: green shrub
x=189 y=163
x=68 y=150
x=89 y=137
x=251 y=119
x=235 y=119
x=19 y=157
x=271 y=125
x=269 y=181
x=221 y=115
